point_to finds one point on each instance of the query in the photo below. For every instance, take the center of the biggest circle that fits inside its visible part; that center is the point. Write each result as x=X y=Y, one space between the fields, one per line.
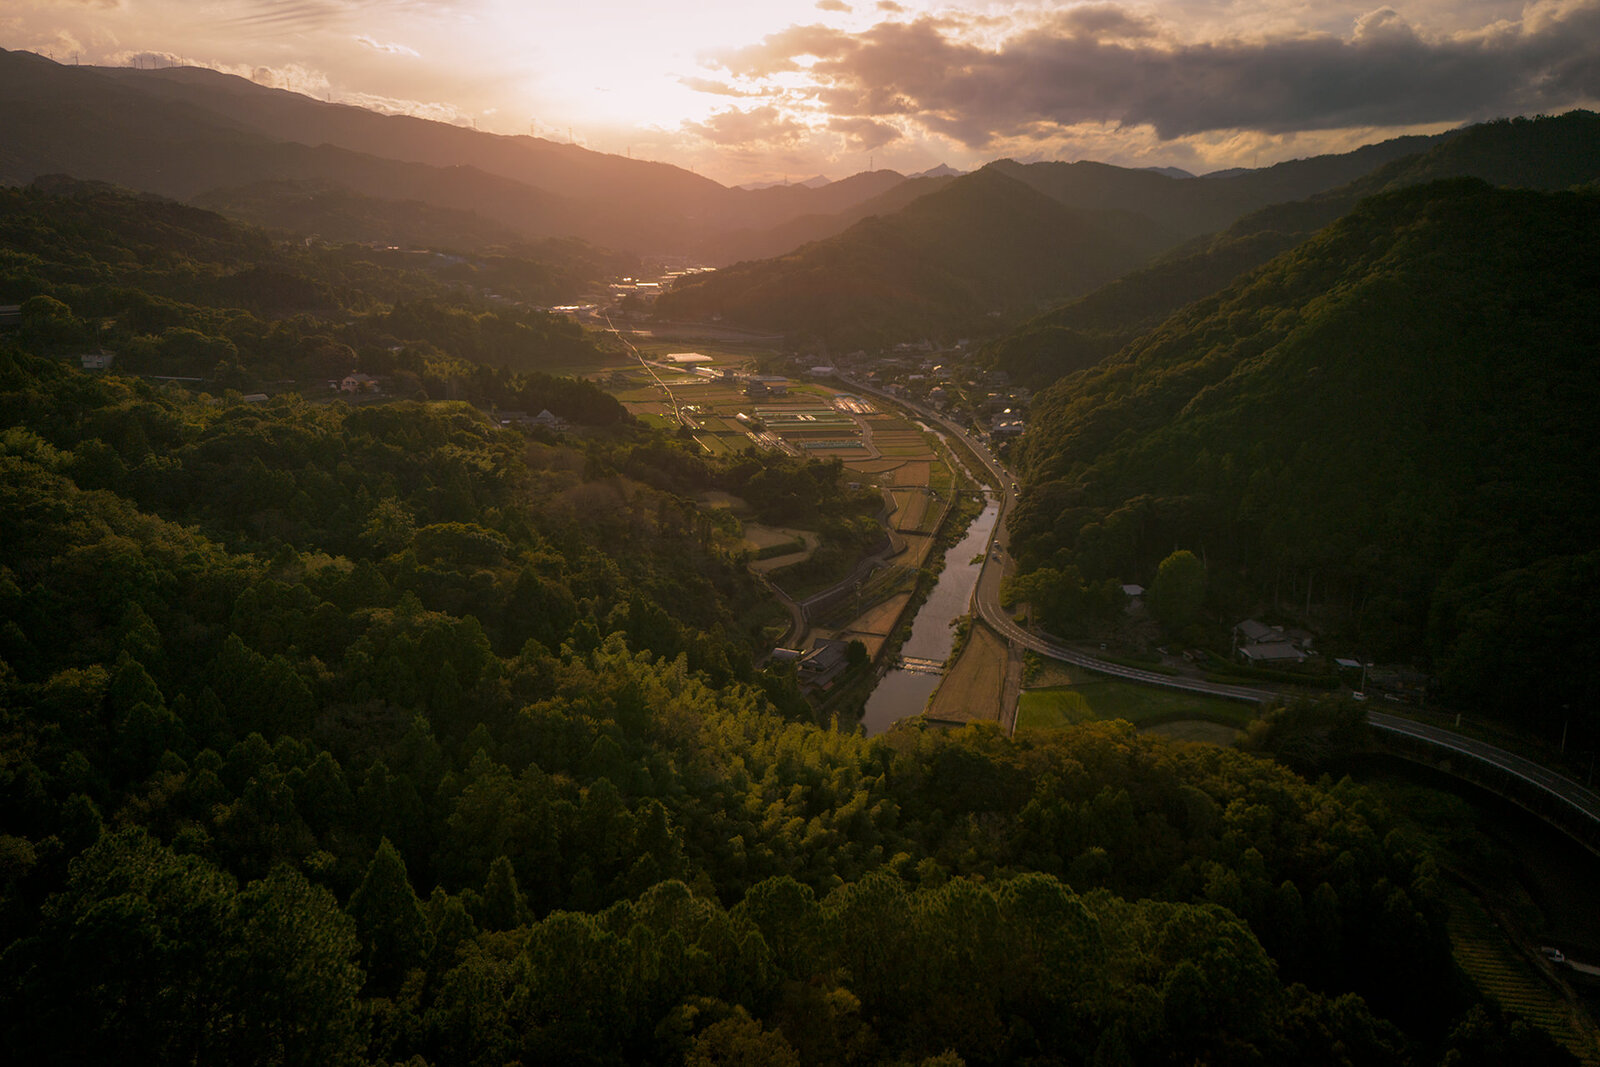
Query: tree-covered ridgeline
x=176 y=291
x=950 y=264
x=1550 y=152
x=366 y=734
x=1392 y=423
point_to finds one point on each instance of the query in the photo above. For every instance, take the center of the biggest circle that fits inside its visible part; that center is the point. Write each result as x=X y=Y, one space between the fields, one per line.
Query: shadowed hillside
x=1392 y=424
x=982 y=247
x=1544 y=153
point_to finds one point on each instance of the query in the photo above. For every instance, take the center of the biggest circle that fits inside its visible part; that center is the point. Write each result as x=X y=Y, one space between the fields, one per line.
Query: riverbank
x=903 y=693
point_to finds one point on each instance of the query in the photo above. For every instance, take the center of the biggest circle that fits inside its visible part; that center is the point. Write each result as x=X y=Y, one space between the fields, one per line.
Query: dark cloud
x=1102 y=63
x=735 y=127
x=1105 y=21
x=864 y=135
x=780 y=52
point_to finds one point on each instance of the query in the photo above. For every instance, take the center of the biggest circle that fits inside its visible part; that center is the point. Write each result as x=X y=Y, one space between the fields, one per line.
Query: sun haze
x=793 y=88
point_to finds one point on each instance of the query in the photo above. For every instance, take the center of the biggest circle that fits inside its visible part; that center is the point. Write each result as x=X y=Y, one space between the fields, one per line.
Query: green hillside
x=1392 y=423
x=175 y=290
x=1556 y=152
x=368 y=731
x=984 y=245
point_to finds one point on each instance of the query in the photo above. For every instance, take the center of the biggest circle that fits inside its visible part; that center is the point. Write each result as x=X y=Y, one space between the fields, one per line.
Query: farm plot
x=911 y=508
x=877 y=466
x=913 y=473
x=973 y=686
x=901 y=443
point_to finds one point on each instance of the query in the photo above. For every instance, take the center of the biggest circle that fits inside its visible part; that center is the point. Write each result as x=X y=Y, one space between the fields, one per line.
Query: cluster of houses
x=819 y=666
x=354 y=383
x=1261 y=645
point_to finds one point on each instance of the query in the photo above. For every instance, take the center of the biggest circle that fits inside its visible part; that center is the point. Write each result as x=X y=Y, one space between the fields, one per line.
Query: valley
x=472 y=598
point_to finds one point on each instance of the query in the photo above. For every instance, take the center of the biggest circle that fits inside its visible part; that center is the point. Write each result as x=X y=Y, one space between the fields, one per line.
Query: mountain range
x=271 y=156
x=1552 y=152
x=874 y=257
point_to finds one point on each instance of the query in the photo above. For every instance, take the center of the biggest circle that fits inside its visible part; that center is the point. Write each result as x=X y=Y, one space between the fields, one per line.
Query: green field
x=1093 y=697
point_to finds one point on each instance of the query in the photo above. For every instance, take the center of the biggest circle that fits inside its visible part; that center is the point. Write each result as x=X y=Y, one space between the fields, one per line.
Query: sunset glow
x=743 y=91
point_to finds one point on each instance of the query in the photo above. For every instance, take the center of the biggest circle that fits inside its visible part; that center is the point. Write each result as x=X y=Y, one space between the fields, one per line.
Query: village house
x=1261 y=645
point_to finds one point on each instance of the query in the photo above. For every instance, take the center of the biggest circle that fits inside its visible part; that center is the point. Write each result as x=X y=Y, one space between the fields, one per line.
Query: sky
x=767 y=90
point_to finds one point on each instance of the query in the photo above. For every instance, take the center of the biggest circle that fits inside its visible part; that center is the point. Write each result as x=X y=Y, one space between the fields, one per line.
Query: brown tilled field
x=911 y=507
x=972 y=688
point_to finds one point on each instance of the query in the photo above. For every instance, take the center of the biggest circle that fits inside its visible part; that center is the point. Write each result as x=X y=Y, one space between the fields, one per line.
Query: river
x=901 y=693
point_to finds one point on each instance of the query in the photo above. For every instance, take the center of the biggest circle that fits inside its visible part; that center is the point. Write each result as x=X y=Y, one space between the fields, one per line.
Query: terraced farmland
x=1481 y=952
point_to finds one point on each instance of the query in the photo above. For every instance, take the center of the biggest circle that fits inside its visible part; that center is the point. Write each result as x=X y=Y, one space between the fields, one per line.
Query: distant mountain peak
x=943 y=170
x=816 y=181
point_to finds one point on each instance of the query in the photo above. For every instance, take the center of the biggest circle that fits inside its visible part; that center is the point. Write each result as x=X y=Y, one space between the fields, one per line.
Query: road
x=677 y=415
x=986 y=597
x=1582 y=799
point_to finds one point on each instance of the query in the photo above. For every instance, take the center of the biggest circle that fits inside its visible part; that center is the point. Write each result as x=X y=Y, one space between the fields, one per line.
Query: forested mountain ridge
x=1152 y=211
x=184 y=132
x=1399 y=413
x=1548 y=152
x=1193 y=206
x=983 y=245
x=348 y=733
x=174 y=290
x=189 y=132
x=797 y=232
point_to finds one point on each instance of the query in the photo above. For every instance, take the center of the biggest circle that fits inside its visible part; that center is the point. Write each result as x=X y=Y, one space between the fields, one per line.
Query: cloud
x=1106 y=21
x=716 y=88
x=1102 y=63
x=781 y=52
x=289 y=16
x=293 y=77
x=890 y=7
x=765 y=125
x=392 y=49
x=1384 y=24
x=422 y=109
x=863 y=135
x=833 y=5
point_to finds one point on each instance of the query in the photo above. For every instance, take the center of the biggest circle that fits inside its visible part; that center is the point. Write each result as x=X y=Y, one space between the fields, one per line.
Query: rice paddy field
x=810 y=420
x=1087 y=696
x=878 y=447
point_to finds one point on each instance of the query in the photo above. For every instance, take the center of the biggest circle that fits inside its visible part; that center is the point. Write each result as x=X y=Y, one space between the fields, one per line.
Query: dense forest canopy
x=379 y=744
x=341 y=732
x=1398 y=414
x=177 y=291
